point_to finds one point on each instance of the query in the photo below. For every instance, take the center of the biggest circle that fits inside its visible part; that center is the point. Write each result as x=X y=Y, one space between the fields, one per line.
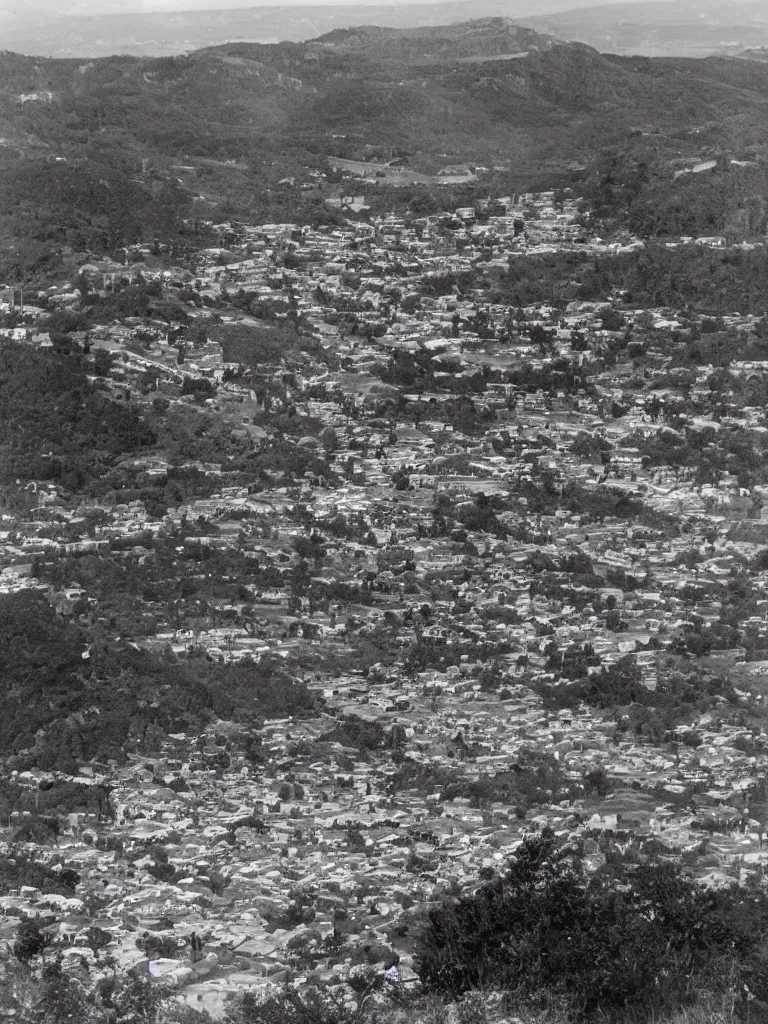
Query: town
x=512 y=557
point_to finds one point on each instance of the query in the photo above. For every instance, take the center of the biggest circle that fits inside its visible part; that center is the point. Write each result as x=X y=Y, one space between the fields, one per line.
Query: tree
x=614 y=622
x=200 y=387
x=597 y=782
x=133 y=999
x=61 y=1000
x=541 y=336
x=102 y=362
x=31 y=940
x=310 y=547
x=612 y=320
x=329 y=440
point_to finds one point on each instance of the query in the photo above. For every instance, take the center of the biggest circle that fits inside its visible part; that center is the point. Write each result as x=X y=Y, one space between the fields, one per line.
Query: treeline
x=702 y=279
x=69 y=697
x=638 y=191
x=55 y=424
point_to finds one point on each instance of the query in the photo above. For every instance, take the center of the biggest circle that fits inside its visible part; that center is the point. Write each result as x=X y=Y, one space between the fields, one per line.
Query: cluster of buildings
x=482 y=497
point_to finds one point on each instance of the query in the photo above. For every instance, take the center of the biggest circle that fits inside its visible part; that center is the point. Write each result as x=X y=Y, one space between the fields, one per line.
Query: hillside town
x=515 y=554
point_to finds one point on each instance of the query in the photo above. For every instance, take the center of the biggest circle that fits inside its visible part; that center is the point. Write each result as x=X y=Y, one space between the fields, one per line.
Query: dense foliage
x=534 y=779
x=630 y=937
x=94 y=205
x=57 y=425
x=635 y=189
x=61 y=708
x=687 y=276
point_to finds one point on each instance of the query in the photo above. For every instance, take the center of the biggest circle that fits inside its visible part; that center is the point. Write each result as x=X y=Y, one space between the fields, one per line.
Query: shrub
x=631 y=939
x=288 y=1008
x=18 y=868
x=31 y=940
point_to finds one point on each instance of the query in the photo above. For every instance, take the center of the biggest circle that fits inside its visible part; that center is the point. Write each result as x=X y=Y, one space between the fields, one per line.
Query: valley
x=383 y=534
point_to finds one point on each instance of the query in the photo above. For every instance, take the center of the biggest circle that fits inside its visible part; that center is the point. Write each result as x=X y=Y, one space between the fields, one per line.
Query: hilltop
x=690 y=28
x=482 y=39
x=218 y=102
x=144 y=32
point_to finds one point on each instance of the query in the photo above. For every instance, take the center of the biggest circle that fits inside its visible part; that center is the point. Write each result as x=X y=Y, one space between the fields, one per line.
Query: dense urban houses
x=360 y=569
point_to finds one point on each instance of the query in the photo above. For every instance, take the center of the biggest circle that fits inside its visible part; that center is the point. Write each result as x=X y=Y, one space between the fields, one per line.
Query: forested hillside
x=100 y=154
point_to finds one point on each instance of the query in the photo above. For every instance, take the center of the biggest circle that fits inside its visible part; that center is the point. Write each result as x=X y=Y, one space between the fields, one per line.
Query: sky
x=22 y=9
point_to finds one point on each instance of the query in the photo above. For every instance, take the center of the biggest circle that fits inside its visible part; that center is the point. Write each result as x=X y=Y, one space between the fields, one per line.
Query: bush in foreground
x=630 y=941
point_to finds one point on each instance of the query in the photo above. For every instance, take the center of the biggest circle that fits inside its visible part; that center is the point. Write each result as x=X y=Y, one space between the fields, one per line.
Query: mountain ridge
x=247 y=85
x=175 y=32
x=694 y=28
x=224 y=128
x=482 y=38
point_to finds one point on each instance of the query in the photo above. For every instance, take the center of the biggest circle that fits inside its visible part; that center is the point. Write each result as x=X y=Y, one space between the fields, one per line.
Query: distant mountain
x=689 y=28
x=449 y=91
x=53 y=29
x=680 y=28
x=144 y=33
x=479 y=40
x=96 y=153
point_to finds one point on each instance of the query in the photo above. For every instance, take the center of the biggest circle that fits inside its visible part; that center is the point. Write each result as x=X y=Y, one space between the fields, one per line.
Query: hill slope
x=221 y=101
x=120 y=146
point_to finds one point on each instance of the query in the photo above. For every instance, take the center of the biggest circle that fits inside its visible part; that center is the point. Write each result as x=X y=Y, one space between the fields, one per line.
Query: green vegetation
x=534 y=780
x=633 y=940
x=687 y=276
x=30 y=941
x=684 y=691
x=56 y=425
x=254 y=346
x=50 y=995
x=92 y=204
x=19 y=868
x=636 y=190
x=47 y=685
x=353 y=731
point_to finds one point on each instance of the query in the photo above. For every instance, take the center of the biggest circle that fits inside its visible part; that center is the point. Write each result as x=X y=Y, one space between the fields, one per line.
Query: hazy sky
x=22 y=9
